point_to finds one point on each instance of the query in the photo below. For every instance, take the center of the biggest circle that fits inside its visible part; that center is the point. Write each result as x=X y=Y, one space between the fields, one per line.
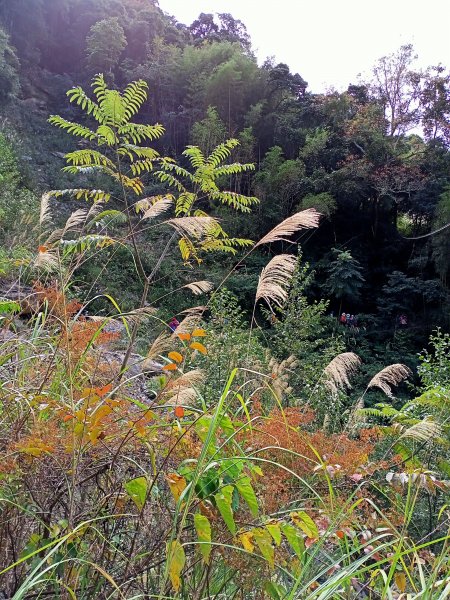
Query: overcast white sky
x=330 y=41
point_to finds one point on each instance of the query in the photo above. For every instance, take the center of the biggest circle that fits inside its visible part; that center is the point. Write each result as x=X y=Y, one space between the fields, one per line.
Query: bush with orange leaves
x=294 y=451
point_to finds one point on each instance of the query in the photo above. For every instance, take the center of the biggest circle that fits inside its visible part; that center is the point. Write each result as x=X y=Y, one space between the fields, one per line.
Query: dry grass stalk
x=199 y=287
x=340 y=369
x=275 y=279
x=158 y=208
x=388 y=377
x=305 y=219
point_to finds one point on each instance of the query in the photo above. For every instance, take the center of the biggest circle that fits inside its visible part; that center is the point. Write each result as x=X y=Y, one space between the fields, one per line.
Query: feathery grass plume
x=388 y=377
x=305 y=219
x=424 y=431
x=48 y=261
x=199 y=287
x=190 y=379
x=75 y=220
x=275 y=279
x=196 y=311
x=196 y=227
x=45 y=214
x=340 y=369
x=190 y=322
x=159 y=206
x=161 y=344
x=139 y=314
x=183 y=395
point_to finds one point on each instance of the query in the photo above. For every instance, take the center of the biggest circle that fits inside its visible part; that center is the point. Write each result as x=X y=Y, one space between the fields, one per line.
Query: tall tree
x=104 y=45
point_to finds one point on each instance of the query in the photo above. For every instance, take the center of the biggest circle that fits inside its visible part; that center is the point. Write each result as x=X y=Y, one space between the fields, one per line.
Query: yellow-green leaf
x=246 y=490
x=176 y=560
x=273 y=527
x=246 y=541
x=264 y=541
x=203 y=529
x=305 y=523
x=294 y=538
x=223 y=500
x=137 y=490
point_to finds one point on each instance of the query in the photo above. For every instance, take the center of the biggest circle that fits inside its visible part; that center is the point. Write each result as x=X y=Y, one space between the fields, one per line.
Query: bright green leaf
x=223 y=500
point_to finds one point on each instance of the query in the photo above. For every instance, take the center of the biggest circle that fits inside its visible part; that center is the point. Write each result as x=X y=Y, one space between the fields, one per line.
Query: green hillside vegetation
x=224 y=316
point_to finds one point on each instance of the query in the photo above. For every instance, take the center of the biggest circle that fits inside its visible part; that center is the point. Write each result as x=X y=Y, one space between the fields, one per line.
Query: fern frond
x=305 y=219
x=73 y=128
x=106 y=135
x=195 y=156
x=275 y=279
x=84 y=243
x=138 y=132
x=78 y=95
x=237 y=201
x=184 y=203
x=188 y=250
x=132 y=150
x=134 y=96
x=221 y=152
x=99 y=87
x=94 y=195
x=180 y=171
x=170 y=180
x=233 y=169
x=141 y=166
x=112 y=108
x=113 y=217
x=89 y=157
x=224 y=244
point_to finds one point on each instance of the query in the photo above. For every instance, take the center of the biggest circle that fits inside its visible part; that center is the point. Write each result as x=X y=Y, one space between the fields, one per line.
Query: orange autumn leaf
x=102 y=391
x=170 y=367
x=176 y=356
x=42 y=249
x=68 y=418
x=197 y=346
x=199 y=333
x=184 y=337
x=179 y=412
